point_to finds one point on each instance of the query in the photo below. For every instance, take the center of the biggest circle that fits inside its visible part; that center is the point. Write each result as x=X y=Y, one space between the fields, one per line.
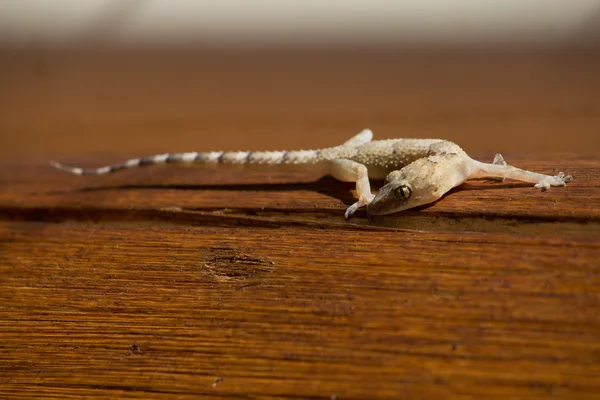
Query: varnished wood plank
x=185 y=283
x=299 y=314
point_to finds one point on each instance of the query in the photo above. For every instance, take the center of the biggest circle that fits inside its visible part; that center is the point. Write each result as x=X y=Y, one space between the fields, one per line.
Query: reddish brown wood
x=184 y=283
x=104 y=309
x=495 y=100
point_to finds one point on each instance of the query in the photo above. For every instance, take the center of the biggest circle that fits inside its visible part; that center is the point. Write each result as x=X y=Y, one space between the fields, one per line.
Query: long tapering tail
x=214 y=157
x=231 y=157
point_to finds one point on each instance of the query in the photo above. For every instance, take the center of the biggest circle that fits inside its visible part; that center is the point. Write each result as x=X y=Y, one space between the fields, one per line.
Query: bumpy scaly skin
x=416 y=171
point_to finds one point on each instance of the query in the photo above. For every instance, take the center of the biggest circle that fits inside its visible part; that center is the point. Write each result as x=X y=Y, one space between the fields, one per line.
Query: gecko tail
x=133 y=163
x=62 y=167
x=243 y=158
x=83 y=171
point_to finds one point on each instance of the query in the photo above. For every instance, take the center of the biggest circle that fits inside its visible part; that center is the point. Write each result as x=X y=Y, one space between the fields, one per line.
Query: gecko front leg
x=352 y=171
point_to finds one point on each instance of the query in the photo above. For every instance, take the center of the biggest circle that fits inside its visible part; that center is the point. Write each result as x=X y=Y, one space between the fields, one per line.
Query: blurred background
x=145 y=76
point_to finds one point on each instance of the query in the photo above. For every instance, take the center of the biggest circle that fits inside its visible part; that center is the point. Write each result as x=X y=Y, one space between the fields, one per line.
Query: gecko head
x=422 y=182
x=399 y=196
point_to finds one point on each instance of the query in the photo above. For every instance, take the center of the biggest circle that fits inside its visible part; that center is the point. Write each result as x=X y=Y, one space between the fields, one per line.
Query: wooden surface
x=181 y=283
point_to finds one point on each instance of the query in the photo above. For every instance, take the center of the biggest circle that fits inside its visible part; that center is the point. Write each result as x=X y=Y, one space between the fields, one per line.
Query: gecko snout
x=391 y=198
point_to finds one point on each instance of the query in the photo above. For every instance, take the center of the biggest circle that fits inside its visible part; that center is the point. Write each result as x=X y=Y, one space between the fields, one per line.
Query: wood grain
x=121 y=298
x=165 y=310
x=185 y=283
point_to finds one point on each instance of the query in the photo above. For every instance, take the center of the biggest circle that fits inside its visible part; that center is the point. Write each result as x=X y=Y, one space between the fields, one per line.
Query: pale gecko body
x=416 y=171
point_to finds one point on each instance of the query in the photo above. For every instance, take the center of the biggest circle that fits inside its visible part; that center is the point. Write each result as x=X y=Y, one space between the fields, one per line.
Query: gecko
x=416 y=171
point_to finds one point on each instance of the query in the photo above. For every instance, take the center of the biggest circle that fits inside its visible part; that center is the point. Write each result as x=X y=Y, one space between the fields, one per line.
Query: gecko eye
x=402 y=192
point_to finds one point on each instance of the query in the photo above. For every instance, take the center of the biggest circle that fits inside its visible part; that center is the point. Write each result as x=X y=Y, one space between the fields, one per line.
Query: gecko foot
x=362 y=201
x=498 y=160
x=557 y=180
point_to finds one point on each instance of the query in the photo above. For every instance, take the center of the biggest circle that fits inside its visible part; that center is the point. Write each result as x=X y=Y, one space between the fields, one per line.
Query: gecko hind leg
x=365 y=136
x=351 y=171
